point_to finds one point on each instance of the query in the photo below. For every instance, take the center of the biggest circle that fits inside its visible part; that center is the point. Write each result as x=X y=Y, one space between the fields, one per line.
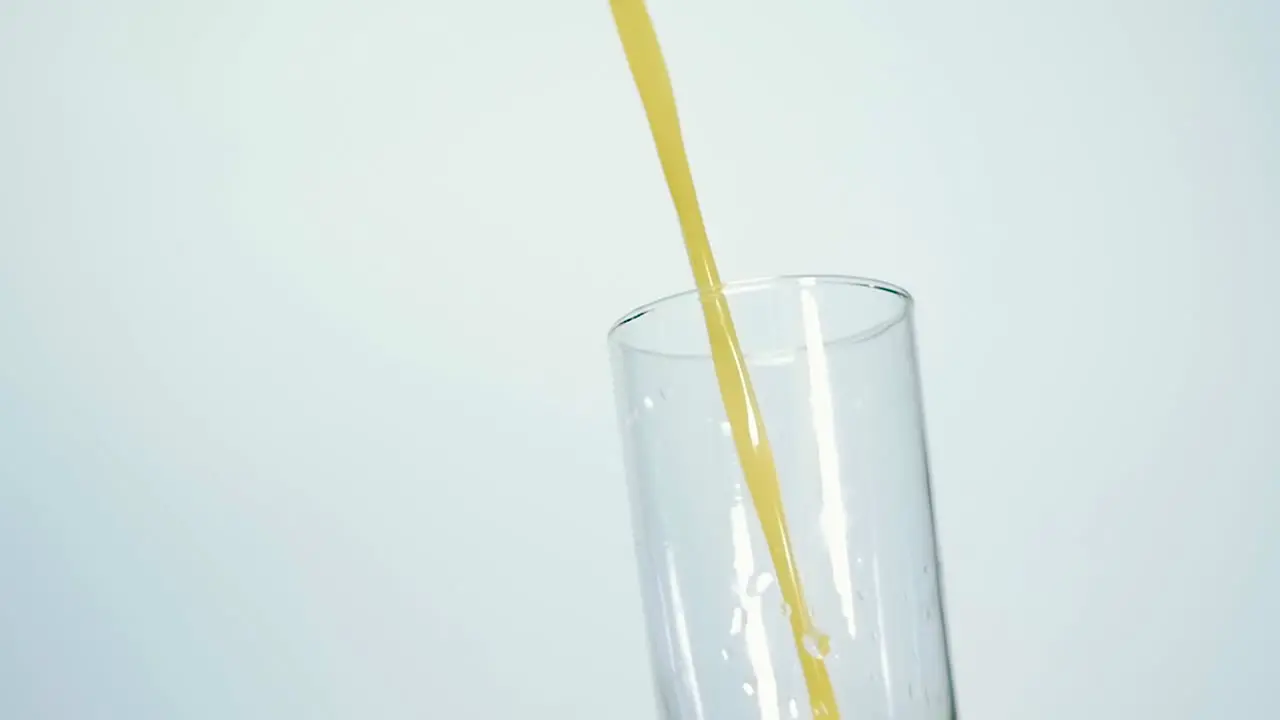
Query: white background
x=304 y=404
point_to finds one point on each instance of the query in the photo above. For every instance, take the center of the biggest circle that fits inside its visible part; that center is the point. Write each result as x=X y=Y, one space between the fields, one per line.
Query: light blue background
x=276 y=442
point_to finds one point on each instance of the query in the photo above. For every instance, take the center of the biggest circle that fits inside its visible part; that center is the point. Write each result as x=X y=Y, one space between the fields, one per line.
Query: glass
x=834 y=367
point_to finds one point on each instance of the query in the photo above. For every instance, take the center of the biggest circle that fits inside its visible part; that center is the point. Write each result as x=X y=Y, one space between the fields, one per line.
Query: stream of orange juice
x=640 y=42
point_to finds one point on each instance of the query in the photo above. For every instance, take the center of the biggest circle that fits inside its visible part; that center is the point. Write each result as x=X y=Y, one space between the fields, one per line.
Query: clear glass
x=834 y=367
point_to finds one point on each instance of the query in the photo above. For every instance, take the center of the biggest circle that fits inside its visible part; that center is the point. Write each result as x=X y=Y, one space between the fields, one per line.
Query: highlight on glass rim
x=779 y=484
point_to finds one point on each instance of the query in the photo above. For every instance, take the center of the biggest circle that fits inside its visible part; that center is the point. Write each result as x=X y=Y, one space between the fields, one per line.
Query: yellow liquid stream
x=644 y=56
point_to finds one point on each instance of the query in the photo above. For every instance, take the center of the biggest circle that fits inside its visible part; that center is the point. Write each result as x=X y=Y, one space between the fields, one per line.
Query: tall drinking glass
x=834 y=368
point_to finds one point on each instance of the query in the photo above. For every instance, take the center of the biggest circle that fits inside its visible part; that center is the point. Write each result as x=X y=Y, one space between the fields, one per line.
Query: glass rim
x=759 y=283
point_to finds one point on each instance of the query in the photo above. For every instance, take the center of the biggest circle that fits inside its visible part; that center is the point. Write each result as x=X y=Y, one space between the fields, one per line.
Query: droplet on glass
x=735 y=626
x=793 y=708
x=662 y=393
x=746 y=688
x=862 y=595
x=763 y=582
x=725 y=429
x=817 y=644
x=724 y=653
x=648 y=402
